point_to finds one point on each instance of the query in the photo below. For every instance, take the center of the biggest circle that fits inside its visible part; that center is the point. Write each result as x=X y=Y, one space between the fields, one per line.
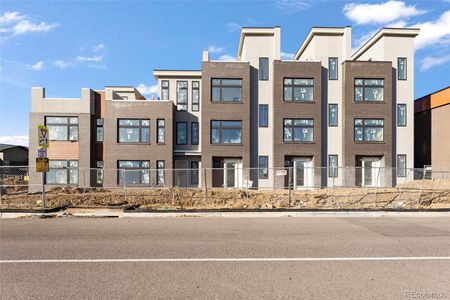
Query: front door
x=303 y=173
x=370 y=172
x=232 y=173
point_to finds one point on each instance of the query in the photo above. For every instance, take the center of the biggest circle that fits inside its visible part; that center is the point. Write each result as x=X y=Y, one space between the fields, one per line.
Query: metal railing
x=297 y=186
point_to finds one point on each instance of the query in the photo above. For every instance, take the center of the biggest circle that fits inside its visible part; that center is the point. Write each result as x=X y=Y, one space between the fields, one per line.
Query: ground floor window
x=62 y=172
x=332 y=166
x=401 y=165
x=99 y=172
x=263 y=166
x=133 y=172
x=160 y=165
x=194 y=172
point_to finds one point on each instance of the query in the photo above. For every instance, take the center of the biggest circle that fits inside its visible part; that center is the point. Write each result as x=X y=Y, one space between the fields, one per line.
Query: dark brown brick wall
x=225 y=111
x=282 y=110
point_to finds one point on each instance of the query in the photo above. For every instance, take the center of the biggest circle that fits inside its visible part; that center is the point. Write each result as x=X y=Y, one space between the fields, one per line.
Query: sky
x=67 y=45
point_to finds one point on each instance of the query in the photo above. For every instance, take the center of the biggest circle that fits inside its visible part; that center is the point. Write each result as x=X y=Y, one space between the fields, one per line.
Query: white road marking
x=267 y=259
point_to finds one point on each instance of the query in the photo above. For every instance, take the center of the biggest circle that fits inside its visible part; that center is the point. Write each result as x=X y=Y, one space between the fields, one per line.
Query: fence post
x=43 y=190
x=124 y=184
x=205 y=185
x=289 y=185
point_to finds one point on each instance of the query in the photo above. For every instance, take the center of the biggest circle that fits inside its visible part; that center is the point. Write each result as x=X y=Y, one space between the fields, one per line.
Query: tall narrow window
x=298 y=89
x=161 y=136
x=401 y=115
x=99 y=132
x=332 y=115
x=332 y=166
x=263 y=115
x=182 y=95
x=181 y=133
x=263 y=68
x=401 y=165
x=194 y=133
x=160 y=166
x=194 y=172
x=99 y=172
x=263 y=167
x=165 y=90
x=401 y=68
x=195 y=95
x=333 y=68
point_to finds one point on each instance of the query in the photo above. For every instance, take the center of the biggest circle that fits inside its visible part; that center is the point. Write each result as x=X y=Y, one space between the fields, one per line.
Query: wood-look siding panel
x=63 y=150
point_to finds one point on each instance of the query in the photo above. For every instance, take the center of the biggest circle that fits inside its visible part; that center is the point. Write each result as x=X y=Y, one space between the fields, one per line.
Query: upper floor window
x=333 y=68
x=195 y=95
x=226 y=90
x=263 y=68
x=161 y=134
x=226 y=132
x=165 y=90
x=401 y=115
x=194 y=133
x=298 y=89
x=369 y=130
x=298 y=130
x=99 y=132
x=62 y=172
x=181 y=133
x=369 y=90
x=133 y=172
x=62 y=128
x=182 y=95
x=263 y=115
x=401 y=68
x=332 y=115
x=134 y=131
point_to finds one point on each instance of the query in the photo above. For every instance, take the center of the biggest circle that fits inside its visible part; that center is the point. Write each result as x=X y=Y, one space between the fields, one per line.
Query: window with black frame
x=226 y=90
x=62 y=172
x=133 y=172
x=134 y=131
x=401 y=68
x=194 y=133
x=99 y=132
x=333 y=68
x=165 y=90
x=226 y=132
x=195 y=95
x=181 y=133
x=62 y=128
x=401 y=165
x=298 y=130
x=263 y=68
x=263 y=167
x=263 y=115
x=298 y=89
x=332 y=115
x=370 y=90
x=182 y=95
x=401 y=115
x=160 y=177
x=161 y=135
x=332 y=166
x=369 y=130
x=194 y=172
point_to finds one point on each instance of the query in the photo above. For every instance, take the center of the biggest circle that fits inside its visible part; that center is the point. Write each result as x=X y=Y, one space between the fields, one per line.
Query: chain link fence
x=229 y=187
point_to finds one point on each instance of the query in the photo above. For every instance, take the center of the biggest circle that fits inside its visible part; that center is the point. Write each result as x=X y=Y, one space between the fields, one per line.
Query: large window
x=182 y=95
x=62 y=172
x=99 y=132
x=369 y=130
x=161 y=135
x=298 y=89
x=226 y=90
x=401 y=68
x=298 y=130
x=263 y=167
x=226 y=132
x=401 y=115
x=263 y=68
x=62 y=128
x=165 y=90
x=134 y=131
x=401 y=165
x=333 y=166
x=333 y=68
x=263 y=115
x=332 y=115
x=195 y=95
x=369 y=90
x=194 y=133
x=160 y=177
x=133 y=172
x=181 y=133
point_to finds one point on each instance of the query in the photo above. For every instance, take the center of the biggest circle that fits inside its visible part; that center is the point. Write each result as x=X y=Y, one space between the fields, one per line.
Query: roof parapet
x=260 y=31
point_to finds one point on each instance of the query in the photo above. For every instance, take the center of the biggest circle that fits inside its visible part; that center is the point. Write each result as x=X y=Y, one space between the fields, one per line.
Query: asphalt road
x=140 y=258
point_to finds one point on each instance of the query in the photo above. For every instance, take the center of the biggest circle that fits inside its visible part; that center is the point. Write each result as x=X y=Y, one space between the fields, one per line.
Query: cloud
x=147 y=89
x=286 y=55
x=98 y=48
x=380 y=13
x=226 y=57
x=430 y=61
x=14 y=140
x=62 y=64
x=215 y=49
x=12 y=23
x=232 y=27
x=38 y=66
x=434 y=32
x=95 y=58
x=288 y=7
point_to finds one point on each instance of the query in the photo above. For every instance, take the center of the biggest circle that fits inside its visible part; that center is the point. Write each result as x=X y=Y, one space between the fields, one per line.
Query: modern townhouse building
x=332 y=116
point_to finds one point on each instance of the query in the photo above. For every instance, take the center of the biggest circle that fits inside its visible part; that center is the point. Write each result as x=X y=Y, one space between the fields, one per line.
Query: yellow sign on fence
x=41 y=164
